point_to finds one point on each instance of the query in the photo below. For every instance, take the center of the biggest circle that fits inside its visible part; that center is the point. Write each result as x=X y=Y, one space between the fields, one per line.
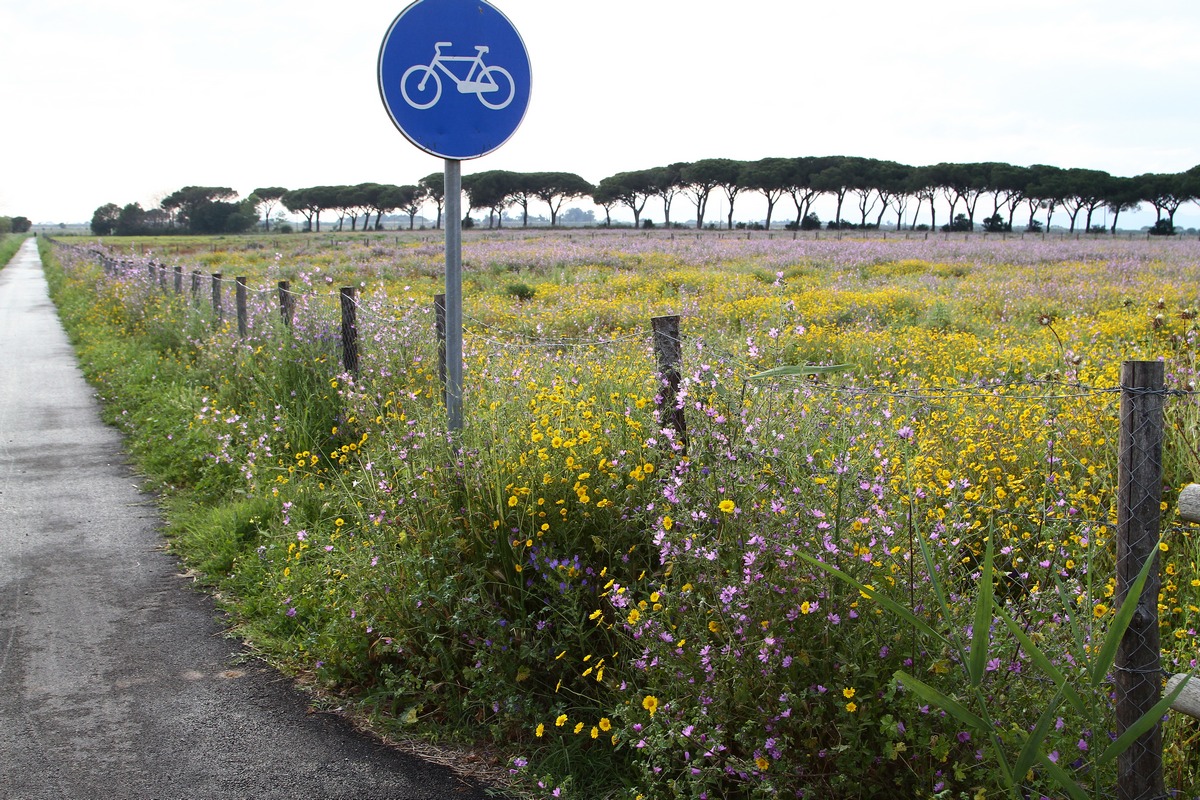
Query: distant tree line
x=192 y=209
x=867 y=190
x=14 y=225
x=876 y=189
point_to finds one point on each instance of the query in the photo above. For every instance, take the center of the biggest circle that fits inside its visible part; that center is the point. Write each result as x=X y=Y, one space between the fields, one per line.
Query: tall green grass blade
x=1077 y=635
x=799 y=369
x=980 y=628
x=888 y=603
x=1116 y=631
x=1063 y=779
x=1032 y=748
x=1043 y=662
x=943 y=701
x=939 y=591
x=1144 y=723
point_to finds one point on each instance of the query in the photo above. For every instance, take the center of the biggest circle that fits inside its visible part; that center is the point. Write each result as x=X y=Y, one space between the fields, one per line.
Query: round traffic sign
x=454 y=76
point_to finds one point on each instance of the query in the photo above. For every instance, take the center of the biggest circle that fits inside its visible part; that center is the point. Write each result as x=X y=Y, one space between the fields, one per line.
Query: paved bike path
x=115 y=680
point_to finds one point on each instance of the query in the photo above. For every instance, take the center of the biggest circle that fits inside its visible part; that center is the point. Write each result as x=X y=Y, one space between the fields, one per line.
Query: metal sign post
x=454 y=361
x=455 y=79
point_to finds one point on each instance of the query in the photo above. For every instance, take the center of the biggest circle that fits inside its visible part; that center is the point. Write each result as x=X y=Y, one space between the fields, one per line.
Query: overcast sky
x=127 y=100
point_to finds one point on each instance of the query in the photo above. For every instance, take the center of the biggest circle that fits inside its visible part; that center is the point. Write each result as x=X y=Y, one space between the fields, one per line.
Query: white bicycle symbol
x=492 y=85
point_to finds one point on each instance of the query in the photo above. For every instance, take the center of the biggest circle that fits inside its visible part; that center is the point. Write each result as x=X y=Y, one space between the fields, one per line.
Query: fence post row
x=1138 y=668
x=349 y=331
x=668 y=350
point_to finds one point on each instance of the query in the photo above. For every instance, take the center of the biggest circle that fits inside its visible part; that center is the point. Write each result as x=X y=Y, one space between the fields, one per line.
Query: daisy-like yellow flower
x=541 y=730
x=726 y=506
x=848 y=692
x=762 y=764
x=650 y=703
x=1100 y=610
x=851 y=706
x=605 y=724
x=562 y=720
x=578 y=727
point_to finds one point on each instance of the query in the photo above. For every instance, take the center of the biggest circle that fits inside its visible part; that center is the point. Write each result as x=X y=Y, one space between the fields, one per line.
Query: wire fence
x=350 y=326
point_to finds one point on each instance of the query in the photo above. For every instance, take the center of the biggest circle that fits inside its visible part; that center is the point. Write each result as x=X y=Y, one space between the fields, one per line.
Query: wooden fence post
x=668 y=349
x=349 y=330
x=216 y=296
x=1138 y=667
x=287 y=304
x=242 y=314
x=178 y=279
x=195 y=285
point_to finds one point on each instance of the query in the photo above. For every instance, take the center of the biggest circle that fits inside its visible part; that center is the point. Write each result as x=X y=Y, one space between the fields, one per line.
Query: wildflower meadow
x=877 y=561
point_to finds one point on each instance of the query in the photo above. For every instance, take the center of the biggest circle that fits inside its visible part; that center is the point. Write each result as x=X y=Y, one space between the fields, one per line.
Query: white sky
x=127 y=100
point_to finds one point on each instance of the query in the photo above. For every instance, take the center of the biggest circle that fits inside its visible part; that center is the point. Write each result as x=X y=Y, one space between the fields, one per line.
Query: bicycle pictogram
x=494 y=86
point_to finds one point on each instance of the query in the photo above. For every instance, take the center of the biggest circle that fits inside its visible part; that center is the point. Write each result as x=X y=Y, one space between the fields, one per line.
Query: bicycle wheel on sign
x=502 y=95
x=416 y=89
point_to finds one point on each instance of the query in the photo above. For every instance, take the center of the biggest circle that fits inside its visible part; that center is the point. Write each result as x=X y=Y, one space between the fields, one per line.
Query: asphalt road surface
x=115 y=680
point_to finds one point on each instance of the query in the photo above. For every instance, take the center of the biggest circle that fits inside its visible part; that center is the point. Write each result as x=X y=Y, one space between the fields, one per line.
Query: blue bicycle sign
x=469 y=96
x=421 y=85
